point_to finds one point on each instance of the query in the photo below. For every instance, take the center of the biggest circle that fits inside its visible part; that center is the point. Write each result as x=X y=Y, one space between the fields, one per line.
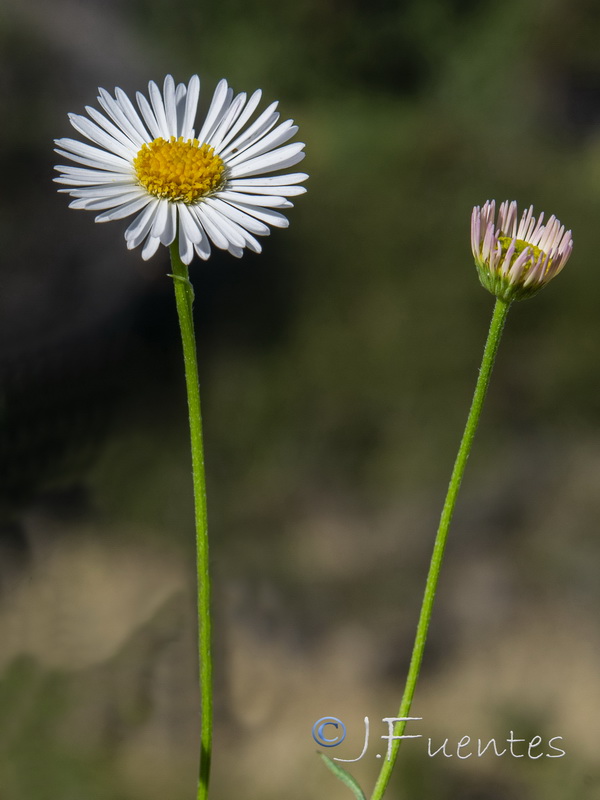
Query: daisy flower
x=515 y=260
x=204 y=186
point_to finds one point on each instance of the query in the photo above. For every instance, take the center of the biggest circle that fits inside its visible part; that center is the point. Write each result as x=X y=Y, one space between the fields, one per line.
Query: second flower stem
x=489 y=356
x=184 y=298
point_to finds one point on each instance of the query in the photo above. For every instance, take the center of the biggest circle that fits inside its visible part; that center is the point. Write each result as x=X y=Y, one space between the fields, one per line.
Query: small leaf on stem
x=344 y=776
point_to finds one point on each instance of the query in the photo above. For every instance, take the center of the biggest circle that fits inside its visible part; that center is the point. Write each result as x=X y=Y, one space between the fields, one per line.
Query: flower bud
x=515 y=260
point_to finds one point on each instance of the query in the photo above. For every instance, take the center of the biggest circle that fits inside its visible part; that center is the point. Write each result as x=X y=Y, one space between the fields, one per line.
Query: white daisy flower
x=206 y=187
x=515 y=259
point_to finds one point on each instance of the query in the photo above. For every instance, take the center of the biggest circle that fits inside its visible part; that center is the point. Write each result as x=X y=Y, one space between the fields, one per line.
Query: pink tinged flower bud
x=514 y=261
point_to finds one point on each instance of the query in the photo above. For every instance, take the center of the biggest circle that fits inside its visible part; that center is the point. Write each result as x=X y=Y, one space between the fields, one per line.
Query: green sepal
x=344 y=776
x=502 y=288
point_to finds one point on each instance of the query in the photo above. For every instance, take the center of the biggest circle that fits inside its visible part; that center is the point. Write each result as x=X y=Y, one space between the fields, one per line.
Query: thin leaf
x=344 y=776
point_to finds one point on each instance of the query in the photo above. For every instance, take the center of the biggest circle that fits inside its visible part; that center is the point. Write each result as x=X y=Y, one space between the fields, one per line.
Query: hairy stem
x=184 y=298
x=489 y=356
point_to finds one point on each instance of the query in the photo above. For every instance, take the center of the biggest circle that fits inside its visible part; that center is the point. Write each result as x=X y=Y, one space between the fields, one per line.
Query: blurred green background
x=336 y=372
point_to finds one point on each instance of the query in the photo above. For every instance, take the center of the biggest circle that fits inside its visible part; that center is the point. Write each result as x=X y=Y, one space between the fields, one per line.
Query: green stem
x=489 y=356
x=184 y=298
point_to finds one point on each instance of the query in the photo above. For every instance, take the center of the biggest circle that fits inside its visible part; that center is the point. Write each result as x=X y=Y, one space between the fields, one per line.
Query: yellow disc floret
x=520 y=246
x=179 y=171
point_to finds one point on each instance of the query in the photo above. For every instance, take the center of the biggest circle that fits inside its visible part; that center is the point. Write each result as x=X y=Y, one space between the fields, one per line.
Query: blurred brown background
x=336 y=371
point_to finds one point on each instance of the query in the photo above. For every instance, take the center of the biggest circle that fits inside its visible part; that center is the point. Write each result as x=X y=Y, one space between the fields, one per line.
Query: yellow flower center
x=520 y=245
x=179 y=171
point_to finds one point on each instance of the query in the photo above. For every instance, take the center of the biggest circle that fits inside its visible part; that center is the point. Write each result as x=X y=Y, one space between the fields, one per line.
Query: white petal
x=239 y=235
x=242 y=120
x=158 y=107
x=282 y=158
x=170 y=106
x=129 y=110
x=217 y=107
x=134 y=141
x=224 y=225
x=138 y=230
x=277 y=137
x=259 y=127
x=150 y=247
x=266 y=215
x=180 y=92
x=77 y=176
x=98 y=203
x=109 y=190
x=189 y=224
x=252 y=243
x=191 y=106
x=170 y=231
x=203 y=249
x=93 y=132
x=186 y=248
x=245 y=220
x=285 y=191
x=164 y=227
x=128 y=122
x=148 y=116
x=238 y=252
x=269 y=201
x=124 y=210
x=272 y=180
x=160 y=219
x=87 y=162
x=215 y=234
x=227 y=121
x=92 y=155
